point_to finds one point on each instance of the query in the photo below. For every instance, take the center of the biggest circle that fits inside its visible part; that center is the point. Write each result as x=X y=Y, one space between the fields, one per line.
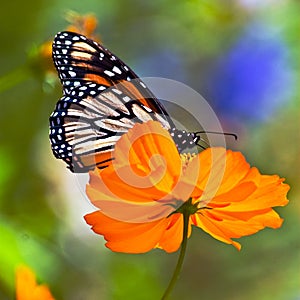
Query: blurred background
x=241 y=55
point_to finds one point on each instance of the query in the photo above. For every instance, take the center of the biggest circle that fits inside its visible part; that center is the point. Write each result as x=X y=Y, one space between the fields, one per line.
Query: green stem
x=186 y=216
x=13 y=78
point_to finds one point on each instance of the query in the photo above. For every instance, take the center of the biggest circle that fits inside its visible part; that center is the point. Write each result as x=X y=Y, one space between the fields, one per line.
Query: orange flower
x=141 y=194
x=84 y=24
x=27 y=288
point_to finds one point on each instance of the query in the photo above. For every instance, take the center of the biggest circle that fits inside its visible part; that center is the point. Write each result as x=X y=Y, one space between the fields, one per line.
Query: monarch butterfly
x=102 y=99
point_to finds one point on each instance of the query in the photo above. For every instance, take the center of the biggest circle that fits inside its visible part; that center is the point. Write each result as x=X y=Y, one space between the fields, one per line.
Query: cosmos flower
x=142 y=195
x=27 y=287
x=84 y=24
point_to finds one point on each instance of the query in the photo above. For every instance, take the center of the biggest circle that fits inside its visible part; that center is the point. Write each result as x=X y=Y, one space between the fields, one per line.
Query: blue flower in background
x=254 y=78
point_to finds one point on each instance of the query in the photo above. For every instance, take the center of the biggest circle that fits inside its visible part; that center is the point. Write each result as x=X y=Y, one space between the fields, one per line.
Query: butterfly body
x=103 y=98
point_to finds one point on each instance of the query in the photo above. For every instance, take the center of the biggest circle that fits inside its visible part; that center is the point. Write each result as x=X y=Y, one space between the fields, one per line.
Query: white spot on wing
x=72 y=74
x=126 y=98
x=116 y=70
x=147 y=108
x=109 y=73
x=117 y=91
x=143 y=84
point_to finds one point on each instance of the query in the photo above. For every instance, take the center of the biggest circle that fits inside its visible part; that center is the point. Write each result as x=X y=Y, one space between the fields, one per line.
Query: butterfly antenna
x=215 y=132
x=203 y=141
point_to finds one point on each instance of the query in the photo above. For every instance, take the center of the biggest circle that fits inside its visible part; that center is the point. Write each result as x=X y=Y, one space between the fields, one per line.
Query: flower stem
x=177 y=270
x=13 y=78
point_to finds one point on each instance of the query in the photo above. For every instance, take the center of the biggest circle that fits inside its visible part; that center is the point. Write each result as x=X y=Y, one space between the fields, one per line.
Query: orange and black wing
x=102 y=99
x=79 y=59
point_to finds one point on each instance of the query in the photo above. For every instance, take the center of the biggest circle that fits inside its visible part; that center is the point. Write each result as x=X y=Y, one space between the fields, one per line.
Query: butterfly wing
x=86 y=124
x=102 y=99
x=79 y=59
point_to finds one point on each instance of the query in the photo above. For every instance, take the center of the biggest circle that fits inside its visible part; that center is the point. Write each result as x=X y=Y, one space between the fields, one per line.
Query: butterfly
x=102 y=99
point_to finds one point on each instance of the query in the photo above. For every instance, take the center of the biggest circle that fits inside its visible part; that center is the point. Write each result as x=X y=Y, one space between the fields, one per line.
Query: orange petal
x=225 y=227
x=129 y=237
x=243 y=203
x=108 y=184
x=136 y=205
x=269 y=193
x=172 y=237
x=137 y=186
x=236 y=194
x=215 y=229
x=27 y=288
x=219 y=171
x=150 y=148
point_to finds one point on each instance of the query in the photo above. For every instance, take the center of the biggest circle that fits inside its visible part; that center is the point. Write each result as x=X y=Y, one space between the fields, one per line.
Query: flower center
x=186 y=158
